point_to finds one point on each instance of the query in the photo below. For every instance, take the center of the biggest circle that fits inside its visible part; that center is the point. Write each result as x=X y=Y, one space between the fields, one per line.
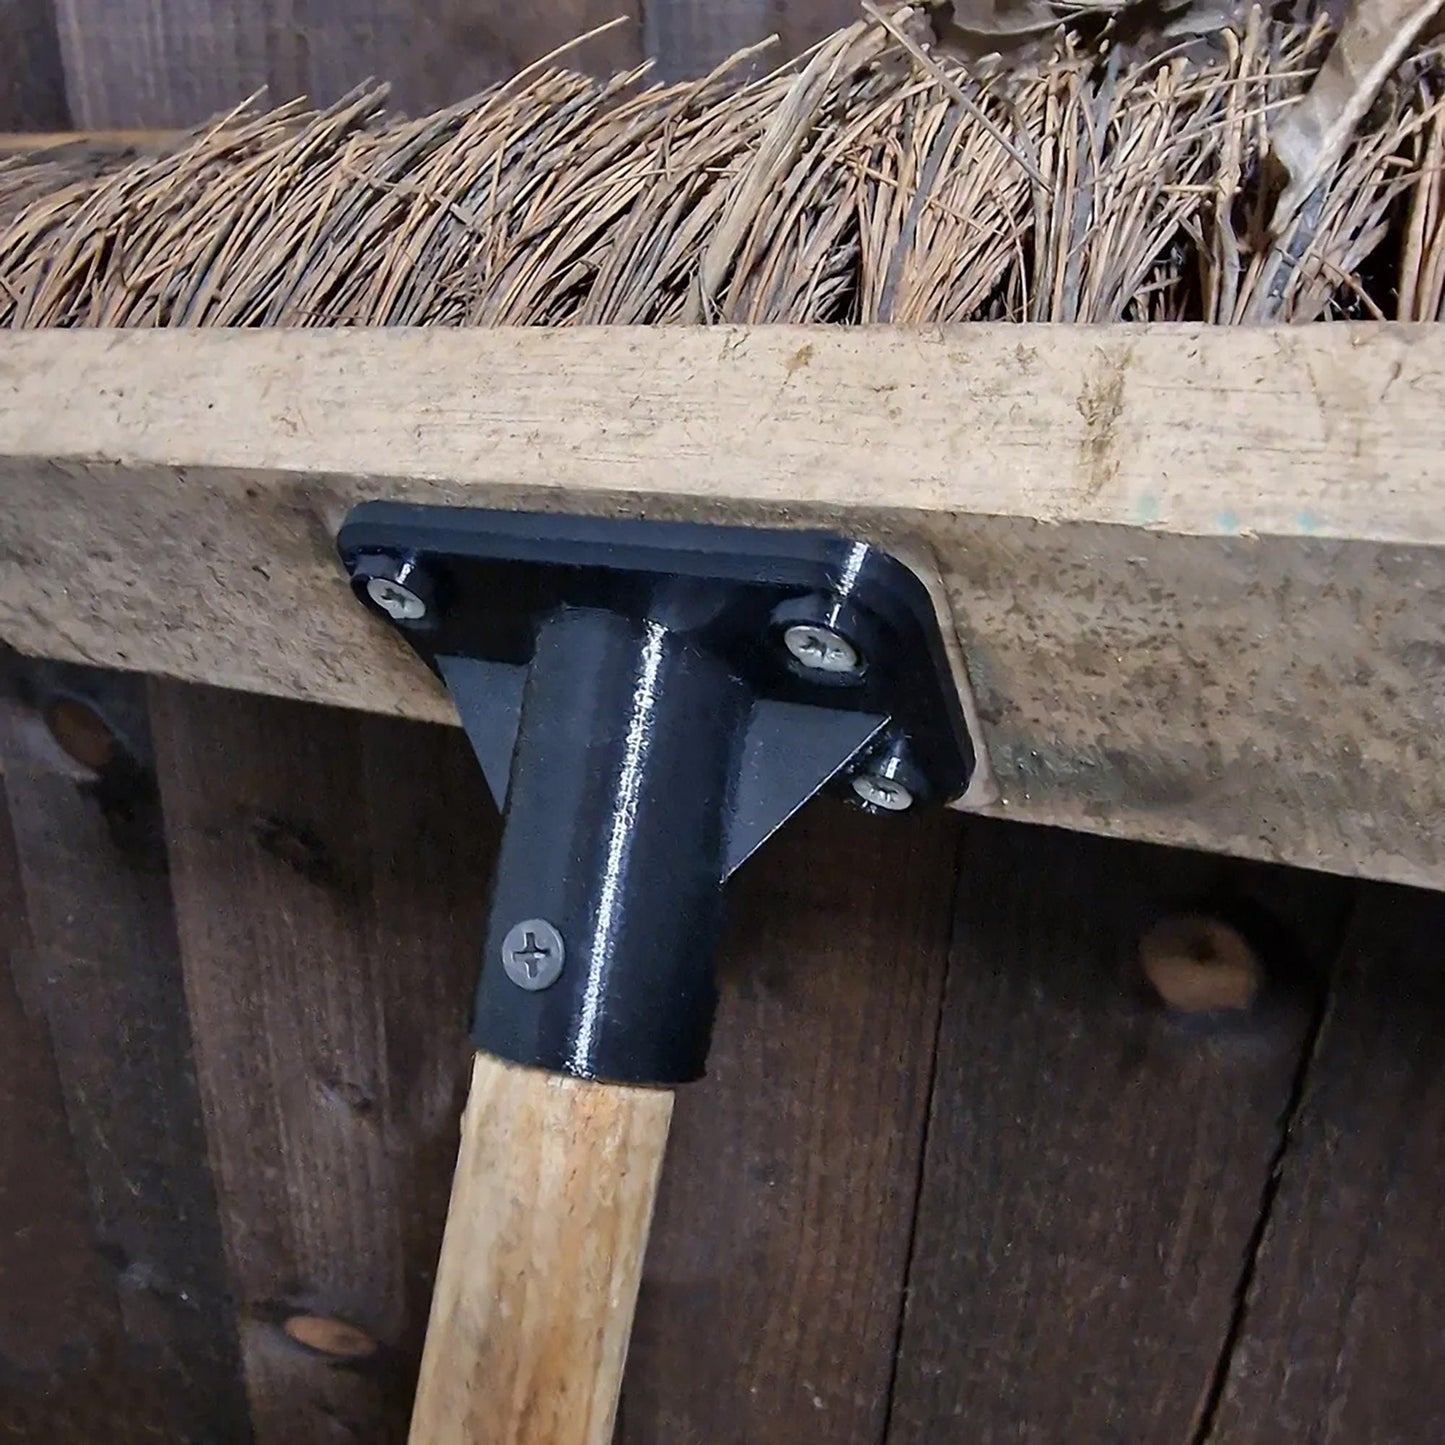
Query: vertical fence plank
x=1341 y=1330
x=330 y=875
x=449 y=49
x=773 y=1286
x=161 y=63
x=58 y=1311
x=168 y=63
x=99 y=966
x=435 y=52
x=1096 y=1165
x=690 y=37
x=32 y=79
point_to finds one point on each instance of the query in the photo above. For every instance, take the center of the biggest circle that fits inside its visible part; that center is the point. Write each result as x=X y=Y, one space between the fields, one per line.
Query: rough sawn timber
x=1199 y=573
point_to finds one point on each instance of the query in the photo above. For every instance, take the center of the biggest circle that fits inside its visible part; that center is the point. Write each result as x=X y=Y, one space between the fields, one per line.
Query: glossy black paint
x=630 y=699
x=615 y=835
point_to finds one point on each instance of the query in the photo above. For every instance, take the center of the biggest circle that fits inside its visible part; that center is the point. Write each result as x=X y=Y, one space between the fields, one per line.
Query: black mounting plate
x=648 y=703
x=494 y=574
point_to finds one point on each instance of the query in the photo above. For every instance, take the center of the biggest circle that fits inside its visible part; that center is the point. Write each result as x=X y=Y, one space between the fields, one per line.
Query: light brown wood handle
x=535 y=1292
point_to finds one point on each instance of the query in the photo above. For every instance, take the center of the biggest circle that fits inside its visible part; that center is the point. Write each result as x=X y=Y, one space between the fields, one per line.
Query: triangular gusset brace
x=650 y=702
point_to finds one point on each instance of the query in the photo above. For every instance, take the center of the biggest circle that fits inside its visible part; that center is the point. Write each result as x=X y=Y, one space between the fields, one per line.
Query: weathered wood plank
x=1214 y=432
x=773 y=1285
x=178 y=62
x=1095 y=1163
x=167 y=63
x=32 y=80
x=690 y=37
x=805 y=22
x=1340 y=1337
x=1212 y=622
x=330 y=878
x=446 y=50
x=100 y=968
x=434 y=52
x=101 y=142
x=58 y=1309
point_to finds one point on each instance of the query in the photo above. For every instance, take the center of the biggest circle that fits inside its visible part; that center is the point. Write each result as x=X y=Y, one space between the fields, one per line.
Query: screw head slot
x=396 y=587
x=399 y=603
x=886 y=793
x=822 y=649
x=890 y=781
x=533 y=954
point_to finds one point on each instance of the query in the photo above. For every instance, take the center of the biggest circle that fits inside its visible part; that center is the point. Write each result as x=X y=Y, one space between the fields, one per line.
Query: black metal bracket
x=650 y=702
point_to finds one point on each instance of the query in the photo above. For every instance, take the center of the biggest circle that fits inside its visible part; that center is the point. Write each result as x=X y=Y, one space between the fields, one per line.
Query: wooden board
x=1345 y=1305
x=1199 y=574
x=32 y=81
x=178 y=62
x=805 y=22
x=99 y=975
x=1096 y=1165
x=443 y=51
x=165 y=63
x=58 y=1311
x=100 y=143
x=330 y=879
x=690 y=37
x=773 y=1285
x=137 y=63
x=330 y=888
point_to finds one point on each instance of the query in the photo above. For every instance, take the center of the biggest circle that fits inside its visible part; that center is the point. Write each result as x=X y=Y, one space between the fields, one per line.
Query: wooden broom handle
x=537 y=1284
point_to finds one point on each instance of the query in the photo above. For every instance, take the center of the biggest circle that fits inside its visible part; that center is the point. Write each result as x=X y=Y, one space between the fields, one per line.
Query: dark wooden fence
x=956 y=1174
x=101 y=64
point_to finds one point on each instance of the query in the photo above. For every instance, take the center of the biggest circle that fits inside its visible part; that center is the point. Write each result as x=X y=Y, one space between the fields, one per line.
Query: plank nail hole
x=337 y=1340
x=1198 y=964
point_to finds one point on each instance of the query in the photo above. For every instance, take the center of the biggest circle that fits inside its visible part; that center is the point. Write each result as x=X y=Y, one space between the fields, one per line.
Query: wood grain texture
x=1340 y=1339
x=100 y=969
x=452 y=48
x=32 y=79
x=1321 y=432
x=330 y=877
x=178 y=62
x=802 y=23
x=549 y=1218
x=773 y=1286
x=1095 y=1164
x=1226 y=635
x=164 y=63
x=690 y=37
x=61 y=1339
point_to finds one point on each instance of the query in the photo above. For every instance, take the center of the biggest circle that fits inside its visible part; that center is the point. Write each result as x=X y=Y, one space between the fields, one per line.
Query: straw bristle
x=877 y=180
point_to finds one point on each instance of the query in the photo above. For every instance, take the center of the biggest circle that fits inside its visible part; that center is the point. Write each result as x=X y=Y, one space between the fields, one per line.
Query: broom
x=1266 y=171
x=1111 y=162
